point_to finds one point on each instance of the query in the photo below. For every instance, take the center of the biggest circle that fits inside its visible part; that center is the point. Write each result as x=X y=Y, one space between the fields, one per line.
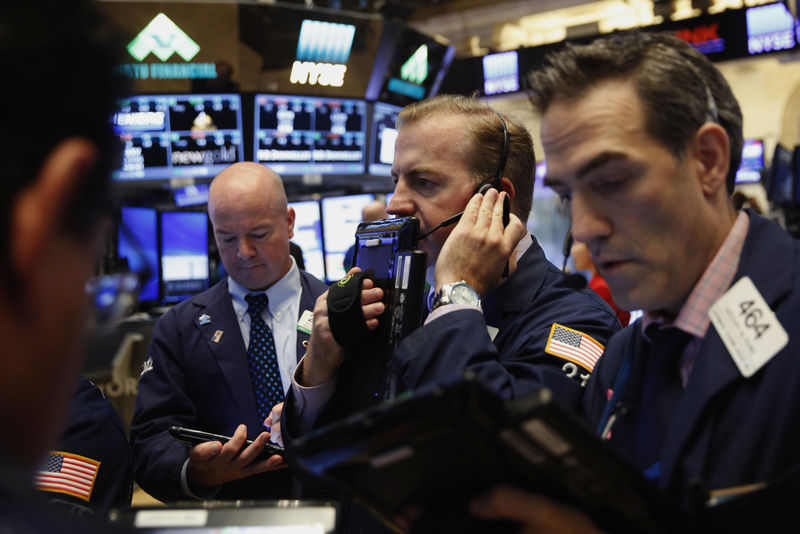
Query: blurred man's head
x=446 y=147
x=642 y=135
x=58 y=61
x=374 y=211
x=252 y=224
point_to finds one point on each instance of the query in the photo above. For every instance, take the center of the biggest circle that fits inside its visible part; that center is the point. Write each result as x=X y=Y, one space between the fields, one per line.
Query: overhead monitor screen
x=308 y=235
x=172 y=136
x=382 y=137
x=299 y=135
x=184 y=254
x=137 y=245
x=752 y=162
x=340 y=218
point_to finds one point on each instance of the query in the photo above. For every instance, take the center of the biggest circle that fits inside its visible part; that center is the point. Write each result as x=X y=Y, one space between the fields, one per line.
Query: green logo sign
x=343 y=281
x=415 y=70
x=163 y=38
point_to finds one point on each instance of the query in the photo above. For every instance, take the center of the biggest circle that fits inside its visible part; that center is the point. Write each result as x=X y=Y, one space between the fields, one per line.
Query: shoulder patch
x=71 y=474
x=574 y=346
x=147 y=366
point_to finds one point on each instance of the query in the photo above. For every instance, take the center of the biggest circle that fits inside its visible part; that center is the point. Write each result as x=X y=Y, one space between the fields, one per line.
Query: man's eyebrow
x=598 y=161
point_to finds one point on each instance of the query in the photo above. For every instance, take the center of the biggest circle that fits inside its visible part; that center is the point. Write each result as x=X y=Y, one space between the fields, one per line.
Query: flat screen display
x=382 y=136
x=173 y=136
x=137 y=244
x=300 y=134
x=340 y=219
x=184 y=254
x=308 y=235
x=752 y=162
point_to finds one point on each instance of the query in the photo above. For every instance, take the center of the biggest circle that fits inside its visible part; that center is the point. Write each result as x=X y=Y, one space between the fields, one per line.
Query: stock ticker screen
x=299 y=135
x=173 y=136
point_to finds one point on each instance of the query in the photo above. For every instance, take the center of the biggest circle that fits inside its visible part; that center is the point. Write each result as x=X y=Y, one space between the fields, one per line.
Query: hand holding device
x=480 y=245
x=195 y=437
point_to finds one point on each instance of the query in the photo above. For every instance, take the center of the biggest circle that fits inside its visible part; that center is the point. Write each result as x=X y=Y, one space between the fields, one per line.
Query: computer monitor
x=780 y=190
x=308 y=235
x=752 y=162
x=340 y=219
x=381 y=138
x=137 y=245
x=190 y=195
x=180 y=135
x=184 y=254
x=304 y=134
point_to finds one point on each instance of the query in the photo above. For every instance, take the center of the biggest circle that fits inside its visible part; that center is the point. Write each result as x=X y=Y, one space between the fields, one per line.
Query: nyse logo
x=308 y=72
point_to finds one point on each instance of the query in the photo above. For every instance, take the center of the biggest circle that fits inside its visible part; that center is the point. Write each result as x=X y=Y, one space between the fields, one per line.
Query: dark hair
x=679 y=87
x=486 y=132
x=58 y=60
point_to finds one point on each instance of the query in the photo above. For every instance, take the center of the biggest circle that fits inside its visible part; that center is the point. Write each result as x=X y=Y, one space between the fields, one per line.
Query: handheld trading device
x=194 y=437
x=387 y=253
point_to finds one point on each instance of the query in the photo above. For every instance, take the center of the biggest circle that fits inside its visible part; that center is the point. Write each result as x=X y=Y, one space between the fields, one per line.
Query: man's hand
x=324 y=354
x=212 y=463
x=536 y=514
x=273 y=424
x=479 y=246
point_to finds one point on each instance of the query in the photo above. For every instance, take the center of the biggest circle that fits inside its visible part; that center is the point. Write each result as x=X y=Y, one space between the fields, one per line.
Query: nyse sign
x=308 y=72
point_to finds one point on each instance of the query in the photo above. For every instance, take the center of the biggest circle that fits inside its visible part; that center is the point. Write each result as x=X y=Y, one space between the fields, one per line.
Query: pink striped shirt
x=693 y=316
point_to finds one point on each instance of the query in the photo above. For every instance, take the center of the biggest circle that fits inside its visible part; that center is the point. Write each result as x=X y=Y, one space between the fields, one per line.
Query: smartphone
x=193 y=437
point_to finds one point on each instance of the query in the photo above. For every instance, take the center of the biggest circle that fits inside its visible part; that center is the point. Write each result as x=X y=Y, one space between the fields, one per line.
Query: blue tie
x=262 y=358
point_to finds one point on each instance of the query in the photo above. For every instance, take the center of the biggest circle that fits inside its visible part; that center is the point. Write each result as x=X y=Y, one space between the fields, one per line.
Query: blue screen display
x=171 y=136
x=184 y=254
x=382 y=137
x=303 y=134
x=138 y=244
x=308 y=235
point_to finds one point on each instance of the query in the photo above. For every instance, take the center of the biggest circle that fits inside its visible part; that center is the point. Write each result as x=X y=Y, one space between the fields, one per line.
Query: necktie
x=262 y=358
x=660 y=393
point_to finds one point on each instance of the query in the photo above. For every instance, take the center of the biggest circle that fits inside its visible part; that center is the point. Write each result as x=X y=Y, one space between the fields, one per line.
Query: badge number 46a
x=748 y=327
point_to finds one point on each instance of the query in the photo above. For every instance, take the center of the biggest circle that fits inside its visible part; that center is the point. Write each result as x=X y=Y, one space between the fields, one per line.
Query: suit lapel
x=219 y=326
x=714 y=368
x=307 y=301
x=507 y=299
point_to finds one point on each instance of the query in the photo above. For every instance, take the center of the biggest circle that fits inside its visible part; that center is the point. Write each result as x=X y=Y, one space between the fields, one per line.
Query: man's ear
x=37 y=212
x=711 y=148
x=290 y=216
x=508 y=187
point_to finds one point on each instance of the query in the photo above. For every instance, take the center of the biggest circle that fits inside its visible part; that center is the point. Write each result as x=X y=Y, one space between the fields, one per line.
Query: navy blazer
x=523 y=309
x=729 y=430
x=191 y=380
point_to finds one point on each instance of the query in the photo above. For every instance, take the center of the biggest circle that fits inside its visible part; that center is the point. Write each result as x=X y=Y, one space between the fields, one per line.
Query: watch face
x=463 y=294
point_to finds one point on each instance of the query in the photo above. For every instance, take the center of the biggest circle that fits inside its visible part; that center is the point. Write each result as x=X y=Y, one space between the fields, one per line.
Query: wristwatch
x=456 y=293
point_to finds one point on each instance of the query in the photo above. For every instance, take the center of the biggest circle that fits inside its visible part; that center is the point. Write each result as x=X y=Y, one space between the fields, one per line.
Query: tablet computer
x=431 y=451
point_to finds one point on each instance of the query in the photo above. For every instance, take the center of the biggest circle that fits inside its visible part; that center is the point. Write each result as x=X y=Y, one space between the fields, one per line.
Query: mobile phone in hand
x=193 y=437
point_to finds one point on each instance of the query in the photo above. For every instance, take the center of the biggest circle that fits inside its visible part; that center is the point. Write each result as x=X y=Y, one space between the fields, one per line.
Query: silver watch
x=456 y=293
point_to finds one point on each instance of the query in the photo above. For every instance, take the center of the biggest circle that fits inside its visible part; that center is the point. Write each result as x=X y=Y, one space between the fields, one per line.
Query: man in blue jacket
x=643 y=136
x=506 y=329
x=203 y=367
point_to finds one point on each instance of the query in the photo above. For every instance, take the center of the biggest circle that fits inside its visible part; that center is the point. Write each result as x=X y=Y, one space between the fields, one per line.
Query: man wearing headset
x=513 y=331
x=643 y=137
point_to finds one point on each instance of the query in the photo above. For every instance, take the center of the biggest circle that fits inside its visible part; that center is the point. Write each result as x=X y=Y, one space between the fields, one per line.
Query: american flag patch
x=573 y=346
x=63 y=472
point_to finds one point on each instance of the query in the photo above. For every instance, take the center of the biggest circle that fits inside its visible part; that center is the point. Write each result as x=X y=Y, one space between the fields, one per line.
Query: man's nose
x=588 y=222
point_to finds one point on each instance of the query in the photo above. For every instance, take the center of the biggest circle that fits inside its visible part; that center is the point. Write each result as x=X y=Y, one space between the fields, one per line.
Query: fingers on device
x=195 y=437
x=387 y=253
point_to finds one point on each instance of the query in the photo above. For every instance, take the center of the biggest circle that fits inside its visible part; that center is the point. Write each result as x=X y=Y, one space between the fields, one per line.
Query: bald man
x=199 y=372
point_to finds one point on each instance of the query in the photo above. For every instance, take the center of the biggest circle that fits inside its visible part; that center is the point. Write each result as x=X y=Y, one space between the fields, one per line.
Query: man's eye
x=228 y=240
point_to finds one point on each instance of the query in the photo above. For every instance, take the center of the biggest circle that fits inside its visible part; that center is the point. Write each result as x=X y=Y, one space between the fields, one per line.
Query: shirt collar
x=281 y=294
x=693 y=316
